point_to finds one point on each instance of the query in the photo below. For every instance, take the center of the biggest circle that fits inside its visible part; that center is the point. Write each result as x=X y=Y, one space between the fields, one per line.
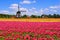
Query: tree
x=33 y=16
x=54 y=15
x=39 y=16
x=49 y=16
x=44 y=16
x=24 y=16
x=58 y=16
x=5 y=16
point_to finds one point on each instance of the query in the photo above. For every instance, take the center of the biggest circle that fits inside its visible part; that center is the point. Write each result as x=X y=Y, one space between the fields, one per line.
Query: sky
x=30 y=7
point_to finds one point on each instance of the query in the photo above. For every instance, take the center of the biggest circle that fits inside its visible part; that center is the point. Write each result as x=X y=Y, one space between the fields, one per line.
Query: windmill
x=18 y=14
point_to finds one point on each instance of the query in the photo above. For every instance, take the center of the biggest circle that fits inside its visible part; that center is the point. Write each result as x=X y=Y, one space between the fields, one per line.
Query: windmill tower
x=18 y=14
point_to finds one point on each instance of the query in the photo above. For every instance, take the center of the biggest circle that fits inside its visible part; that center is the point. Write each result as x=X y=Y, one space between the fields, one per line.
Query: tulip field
x=18 y=30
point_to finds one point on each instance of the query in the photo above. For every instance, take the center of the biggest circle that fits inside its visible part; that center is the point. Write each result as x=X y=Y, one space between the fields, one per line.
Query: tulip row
x=29 y=30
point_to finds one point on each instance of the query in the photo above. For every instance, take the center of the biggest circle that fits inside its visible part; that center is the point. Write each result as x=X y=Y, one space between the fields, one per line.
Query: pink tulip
x=34 y=38
x=27 y=37
x=9 y=27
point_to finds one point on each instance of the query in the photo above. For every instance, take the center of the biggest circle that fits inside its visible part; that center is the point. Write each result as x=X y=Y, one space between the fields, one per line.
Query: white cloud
x=55 y=7
x=33 y=10
x=53 y=10
x=14 y=9
x=46 y=9
x=27 y=2
x=41 y=11
x=50 y=10
x=13 y=6
x=36 y=12
x=34 y=1
x=4 y=12
x=23 y=9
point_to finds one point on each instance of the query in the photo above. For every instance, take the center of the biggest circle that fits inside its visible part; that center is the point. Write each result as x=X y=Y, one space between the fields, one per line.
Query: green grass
x=1 y=38
x=18 y=39
x=55 y=37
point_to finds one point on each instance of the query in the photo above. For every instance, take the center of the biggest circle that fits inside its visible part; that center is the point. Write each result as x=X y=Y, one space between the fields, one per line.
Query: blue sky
x=36 y=7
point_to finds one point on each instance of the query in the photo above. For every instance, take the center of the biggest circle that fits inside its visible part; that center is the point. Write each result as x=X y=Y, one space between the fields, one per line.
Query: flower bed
x=12 y=30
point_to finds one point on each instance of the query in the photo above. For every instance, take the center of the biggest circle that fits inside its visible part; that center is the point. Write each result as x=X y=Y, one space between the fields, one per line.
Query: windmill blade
x=22 y=11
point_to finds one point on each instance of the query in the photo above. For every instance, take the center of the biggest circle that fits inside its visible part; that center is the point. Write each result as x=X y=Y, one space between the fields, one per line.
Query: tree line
x=42 y=16
x=32 y=16
x=5 y=16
